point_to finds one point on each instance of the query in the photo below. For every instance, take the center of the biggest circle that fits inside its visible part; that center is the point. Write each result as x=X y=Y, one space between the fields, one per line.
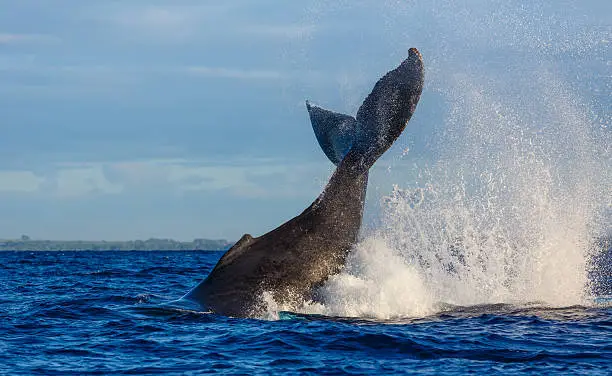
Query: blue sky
x=135 y=119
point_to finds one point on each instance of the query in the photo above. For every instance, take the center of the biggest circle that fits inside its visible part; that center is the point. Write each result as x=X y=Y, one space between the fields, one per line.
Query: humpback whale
x=294 y=259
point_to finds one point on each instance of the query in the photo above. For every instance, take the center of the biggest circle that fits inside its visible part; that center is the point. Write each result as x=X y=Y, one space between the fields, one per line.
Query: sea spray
x=506 y=214
x=377 y=283
x=512 y=191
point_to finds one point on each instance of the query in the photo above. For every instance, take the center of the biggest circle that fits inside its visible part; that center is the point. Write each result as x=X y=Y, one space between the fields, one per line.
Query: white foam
x=376 y=283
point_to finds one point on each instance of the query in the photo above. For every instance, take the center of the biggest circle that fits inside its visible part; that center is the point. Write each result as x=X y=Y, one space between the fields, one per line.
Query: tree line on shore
x=27 y=244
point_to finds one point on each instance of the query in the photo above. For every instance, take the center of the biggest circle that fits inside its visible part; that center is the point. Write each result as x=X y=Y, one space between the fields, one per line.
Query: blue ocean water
x=105 y=313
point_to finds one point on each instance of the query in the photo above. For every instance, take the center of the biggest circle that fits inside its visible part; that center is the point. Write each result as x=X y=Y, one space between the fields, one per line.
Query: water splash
x=506 y=214
x=516 y=187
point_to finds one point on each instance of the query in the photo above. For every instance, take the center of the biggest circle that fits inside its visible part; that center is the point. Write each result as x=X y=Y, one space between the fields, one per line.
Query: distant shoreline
x=27 y=244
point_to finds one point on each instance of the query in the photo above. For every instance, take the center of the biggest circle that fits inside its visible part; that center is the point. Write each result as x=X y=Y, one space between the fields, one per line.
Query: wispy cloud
x=183 y=22
x=78 y=182
x=288 y=31
x=20 y=181
x=247 y=179
x=65 y=183
x=235 y=73
x=20 y=39
x=265 y=179
x=32 y=78
x=162 y=23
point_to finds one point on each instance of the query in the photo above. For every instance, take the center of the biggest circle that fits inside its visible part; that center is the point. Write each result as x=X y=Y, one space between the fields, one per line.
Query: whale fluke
x=292 y=260
x=335 y=132
x=386 y=111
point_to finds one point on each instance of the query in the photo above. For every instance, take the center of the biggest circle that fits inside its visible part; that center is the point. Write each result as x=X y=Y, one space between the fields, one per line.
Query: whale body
x=291 y=261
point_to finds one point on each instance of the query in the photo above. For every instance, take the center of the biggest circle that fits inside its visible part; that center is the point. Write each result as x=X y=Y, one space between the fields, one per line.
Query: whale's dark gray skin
x=291 y=261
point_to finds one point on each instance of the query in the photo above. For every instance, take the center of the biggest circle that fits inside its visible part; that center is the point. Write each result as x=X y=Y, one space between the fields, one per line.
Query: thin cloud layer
x=241 y=74
x=27 y=39
x=20 y=182
x=75 y=180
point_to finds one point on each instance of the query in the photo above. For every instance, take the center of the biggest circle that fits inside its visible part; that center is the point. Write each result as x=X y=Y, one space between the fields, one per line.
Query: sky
x=186 y=119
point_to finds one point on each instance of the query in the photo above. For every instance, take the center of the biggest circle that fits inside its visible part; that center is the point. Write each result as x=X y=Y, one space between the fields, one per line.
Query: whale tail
x=335 y=132
x=380 y=120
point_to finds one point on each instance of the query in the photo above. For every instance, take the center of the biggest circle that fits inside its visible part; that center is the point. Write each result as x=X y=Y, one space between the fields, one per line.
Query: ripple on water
x=74 y=325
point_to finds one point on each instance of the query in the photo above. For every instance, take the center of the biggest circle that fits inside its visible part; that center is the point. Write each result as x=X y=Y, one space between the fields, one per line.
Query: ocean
x=477 y=252
x=85 y=313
